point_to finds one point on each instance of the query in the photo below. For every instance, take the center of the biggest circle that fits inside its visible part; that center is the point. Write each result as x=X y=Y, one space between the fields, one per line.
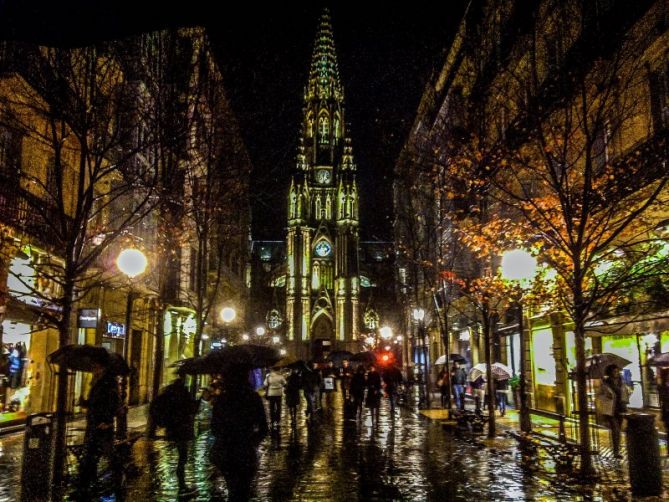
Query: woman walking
x=501 y=389
x=612 y=399
x=274 y=384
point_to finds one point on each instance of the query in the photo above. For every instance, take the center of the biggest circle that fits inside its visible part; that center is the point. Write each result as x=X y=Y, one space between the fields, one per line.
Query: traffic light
x=386 y=358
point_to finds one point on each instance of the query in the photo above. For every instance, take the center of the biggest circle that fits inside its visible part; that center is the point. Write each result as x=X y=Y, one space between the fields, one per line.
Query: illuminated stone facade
x=322 y=269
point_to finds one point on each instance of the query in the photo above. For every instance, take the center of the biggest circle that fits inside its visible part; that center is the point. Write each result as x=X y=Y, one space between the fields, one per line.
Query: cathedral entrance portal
x=321 y=337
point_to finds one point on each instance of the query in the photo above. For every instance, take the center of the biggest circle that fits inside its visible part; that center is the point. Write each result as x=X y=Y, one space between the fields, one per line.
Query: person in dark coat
x=444 y=387
x=346 y=374
x=293 y=386
x=239 y=424
x=179 y=409
x=373 y=401
x=311 y=383
x=102 y=407
x=459 y=380
x=358 y=390
x=392 y=379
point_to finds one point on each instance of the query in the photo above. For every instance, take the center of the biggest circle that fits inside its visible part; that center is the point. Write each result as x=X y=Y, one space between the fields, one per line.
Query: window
x=10 y=152
x=323 y=129
x=658 y=81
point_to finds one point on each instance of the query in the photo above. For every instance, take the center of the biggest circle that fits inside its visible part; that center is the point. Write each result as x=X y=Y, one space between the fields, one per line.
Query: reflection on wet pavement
x=403 y=458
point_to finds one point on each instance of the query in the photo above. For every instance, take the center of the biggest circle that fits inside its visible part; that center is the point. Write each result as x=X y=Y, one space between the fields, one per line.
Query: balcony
x=28 y=213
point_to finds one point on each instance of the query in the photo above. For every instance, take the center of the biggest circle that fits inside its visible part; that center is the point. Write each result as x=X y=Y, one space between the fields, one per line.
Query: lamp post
x=419 y=317
x=131 y=262
x=519 y=267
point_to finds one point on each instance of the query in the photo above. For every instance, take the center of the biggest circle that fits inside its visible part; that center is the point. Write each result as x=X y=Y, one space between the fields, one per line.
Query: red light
x=385 y=358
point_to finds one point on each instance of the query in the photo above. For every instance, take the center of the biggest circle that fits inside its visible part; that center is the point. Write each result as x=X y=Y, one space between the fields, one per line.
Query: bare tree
x=77 y=105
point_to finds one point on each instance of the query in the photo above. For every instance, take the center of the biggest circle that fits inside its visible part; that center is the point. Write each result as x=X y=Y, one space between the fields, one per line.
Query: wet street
x=403 y=458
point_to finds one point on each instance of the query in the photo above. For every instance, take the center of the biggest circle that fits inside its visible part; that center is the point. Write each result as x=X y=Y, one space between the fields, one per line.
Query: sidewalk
x=600 y=437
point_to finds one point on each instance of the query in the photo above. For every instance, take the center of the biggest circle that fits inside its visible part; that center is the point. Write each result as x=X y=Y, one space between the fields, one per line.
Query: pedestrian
x=175 y=409
x=373 y=400
x=293 y=386
x=311 y=384
x=501 y=391
x=274 y=384
x=478 y=390
x=102 y=407
x=444 y=387
x=329 y=373
x=392 y=379
x=459 y=380
x=238 y=424
x=612 y=398
x=346 y=374
x=663 y=394
x=358 y=390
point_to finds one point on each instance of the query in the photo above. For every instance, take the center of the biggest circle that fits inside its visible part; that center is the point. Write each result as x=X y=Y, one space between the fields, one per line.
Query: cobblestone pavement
x=405 y=457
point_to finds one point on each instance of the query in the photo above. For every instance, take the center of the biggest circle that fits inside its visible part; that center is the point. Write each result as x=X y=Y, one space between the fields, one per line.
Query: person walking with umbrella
x=175 y=409
x=374 y=393
x=238 y=424
x=274 y=384
x=293 y=386
x=444 y=387
x=311 y=383
x=358 y=390
x=612 y=398
x=102 y=407
x=392 y=379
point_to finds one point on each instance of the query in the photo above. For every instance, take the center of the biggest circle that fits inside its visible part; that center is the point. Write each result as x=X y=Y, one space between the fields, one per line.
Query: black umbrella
x=216 y=361
x=85 y=357
x=457 y=358
x=339 y=355
x=364 y=357
x=291 y=363
x=595 y=365
x=659 y=359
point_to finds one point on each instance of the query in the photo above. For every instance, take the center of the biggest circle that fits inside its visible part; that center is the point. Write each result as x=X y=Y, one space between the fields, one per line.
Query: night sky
x=386 y=54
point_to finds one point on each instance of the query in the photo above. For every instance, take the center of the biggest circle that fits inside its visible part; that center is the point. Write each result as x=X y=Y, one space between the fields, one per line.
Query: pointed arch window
x=323 y=129
x=317 y=207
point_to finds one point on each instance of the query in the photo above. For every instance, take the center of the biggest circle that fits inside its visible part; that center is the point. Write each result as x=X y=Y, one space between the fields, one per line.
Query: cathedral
x=322 y=289
x=322 y=267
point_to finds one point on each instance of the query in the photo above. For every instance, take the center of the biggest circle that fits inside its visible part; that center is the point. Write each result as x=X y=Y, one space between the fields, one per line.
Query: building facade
x=511 y=68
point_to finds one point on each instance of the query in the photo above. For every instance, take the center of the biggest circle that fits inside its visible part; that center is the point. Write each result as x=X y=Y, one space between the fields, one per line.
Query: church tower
x=322 y=279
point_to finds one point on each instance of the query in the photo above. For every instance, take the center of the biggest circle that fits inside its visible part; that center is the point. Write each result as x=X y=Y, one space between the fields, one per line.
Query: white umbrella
x=478 y=370
x=440 y=360
x=501 y=371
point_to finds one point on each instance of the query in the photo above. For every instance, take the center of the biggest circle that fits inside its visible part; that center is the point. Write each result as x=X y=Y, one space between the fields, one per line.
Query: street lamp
x=227 y=315
x=419 y=317
x=260 y=331
x=245 y=337
x=386 y=333
x=131 y=262
x=520 y=267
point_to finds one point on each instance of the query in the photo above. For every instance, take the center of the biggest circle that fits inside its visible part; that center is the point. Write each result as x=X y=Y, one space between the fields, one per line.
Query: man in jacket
x=103 y=405
x=177 y=410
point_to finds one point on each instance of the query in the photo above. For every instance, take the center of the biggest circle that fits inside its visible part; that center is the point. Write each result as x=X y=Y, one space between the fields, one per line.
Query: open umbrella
x=659 y=359
x=455 y=358
x=499 y=371
x=477 y=371
x=364 y=357
x=77 y=357
x=339 y=355
x=214 y=362
x=595 y=365
x=290 y=362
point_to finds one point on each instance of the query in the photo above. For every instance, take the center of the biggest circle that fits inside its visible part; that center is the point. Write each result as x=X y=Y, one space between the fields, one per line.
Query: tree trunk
x=60 y=445
x=159 y=352
x=490 y=383
x=587 y=469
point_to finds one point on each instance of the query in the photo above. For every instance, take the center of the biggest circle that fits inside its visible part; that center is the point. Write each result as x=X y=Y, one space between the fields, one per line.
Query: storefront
x=544 y=369
x=179 y=329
